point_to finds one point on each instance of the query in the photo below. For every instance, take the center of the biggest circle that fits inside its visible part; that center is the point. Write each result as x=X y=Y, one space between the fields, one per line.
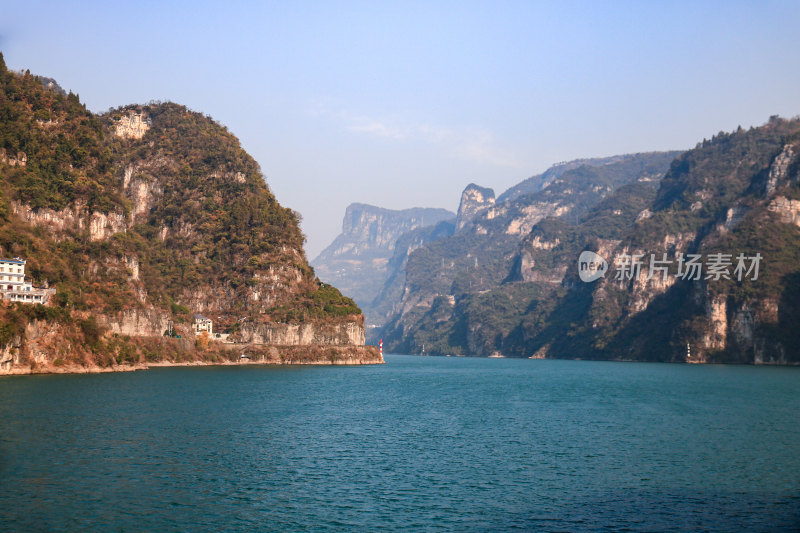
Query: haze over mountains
x=368 y=259
x=505 y=280
x=359 y=260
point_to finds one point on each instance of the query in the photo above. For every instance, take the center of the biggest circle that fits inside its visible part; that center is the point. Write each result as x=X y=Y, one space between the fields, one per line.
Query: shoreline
x=353 y=355
x=615 y=360
x=74 y=369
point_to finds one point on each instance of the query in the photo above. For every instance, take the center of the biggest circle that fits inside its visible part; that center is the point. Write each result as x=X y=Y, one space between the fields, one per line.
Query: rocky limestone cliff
x=132 y=125
x=787 y=209
x=735 y=195
x=18 y=160
x=530 y=215
x=141 y=186
x=540 y=181
x=386 y=302
x=76 y=218
x=368 y=230
x=745 y=320
x=497 y=246
x=300 y=334
x=137 y=322
x=362 y=258
x=474 y=199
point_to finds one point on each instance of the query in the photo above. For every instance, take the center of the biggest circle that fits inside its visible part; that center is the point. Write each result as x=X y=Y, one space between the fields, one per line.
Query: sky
x=403 y=104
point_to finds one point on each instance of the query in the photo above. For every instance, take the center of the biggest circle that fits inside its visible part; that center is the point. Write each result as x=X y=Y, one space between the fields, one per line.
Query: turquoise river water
x=418 y=444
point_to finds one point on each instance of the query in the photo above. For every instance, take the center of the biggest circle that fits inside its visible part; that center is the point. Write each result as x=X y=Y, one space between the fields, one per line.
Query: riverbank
x=215 y=354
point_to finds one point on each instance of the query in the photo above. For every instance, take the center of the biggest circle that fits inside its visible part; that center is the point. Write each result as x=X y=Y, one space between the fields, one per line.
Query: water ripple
x=419 y=444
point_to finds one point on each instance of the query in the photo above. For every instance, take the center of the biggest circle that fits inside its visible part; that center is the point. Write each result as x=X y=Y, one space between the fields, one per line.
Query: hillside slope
x=731 y=204
x=139 y=218
x=481 y=255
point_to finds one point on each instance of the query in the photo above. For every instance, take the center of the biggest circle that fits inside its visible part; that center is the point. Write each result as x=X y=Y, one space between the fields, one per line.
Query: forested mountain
x=474 y=251
x=731 y=204
x=481 y=255
x=139 y=218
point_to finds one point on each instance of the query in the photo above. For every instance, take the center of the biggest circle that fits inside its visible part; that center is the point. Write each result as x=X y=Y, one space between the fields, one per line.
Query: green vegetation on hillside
x=325 y=303
x=219 y=221
x=603 y=203
x=178 y=219
x=718 y=198
x=62 y=141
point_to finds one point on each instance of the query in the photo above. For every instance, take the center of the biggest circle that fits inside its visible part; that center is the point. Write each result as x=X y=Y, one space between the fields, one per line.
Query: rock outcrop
x=76 y=218
x=372 y=231
x=788 y=210
x=18 y=160
x=500 y=242
x=137 y=322
x=474 y=200
x=337 y=334
x=132 y=125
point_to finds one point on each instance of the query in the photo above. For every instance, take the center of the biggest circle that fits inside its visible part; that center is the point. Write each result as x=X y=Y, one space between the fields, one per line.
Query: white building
x=12 y=273
x=14 y=287
x=201 y=324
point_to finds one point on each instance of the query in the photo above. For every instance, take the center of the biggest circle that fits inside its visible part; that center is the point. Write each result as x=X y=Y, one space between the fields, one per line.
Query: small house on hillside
x=201 y=324
x=15 y=288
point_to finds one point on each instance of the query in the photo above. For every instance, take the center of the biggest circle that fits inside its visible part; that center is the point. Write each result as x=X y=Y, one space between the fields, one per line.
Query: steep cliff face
x=368 y=228
x=137 y=322
x=573 y=192
x=97 y=225
x=474 y=199
x=201 y=203
x=729 y=205
x=364 y=256
x=787 y=209
x=385 y=303
x=729 y=196
x=301 y=334
x=139 y=218
x=493 y=248
x=132 y=125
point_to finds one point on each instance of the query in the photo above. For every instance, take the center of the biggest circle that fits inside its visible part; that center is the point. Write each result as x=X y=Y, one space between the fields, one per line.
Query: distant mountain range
x=373 y=247
x=368 y=259
x=506 y=280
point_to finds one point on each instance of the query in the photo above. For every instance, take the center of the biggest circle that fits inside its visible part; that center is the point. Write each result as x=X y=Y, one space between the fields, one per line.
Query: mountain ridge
x=736 y=195
x=480 y=255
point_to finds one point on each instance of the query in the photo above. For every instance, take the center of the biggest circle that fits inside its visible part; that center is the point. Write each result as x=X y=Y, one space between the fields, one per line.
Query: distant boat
x=244 y=356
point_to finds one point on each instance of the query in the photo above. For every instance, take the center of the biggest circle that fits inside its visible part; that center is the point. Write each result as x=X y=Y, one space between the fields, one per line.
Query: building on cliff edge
x=15 y=288
x=202 y=323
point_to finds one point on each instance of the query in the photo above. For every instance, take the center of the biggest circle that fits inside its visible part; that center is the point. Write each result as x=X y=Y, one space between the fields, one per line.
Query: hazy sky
x=402 y=104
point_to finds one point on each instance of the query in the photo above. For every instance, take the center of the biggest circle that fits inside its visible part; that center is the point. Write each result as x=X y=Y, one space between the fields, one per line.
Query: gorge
x=505 y=280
